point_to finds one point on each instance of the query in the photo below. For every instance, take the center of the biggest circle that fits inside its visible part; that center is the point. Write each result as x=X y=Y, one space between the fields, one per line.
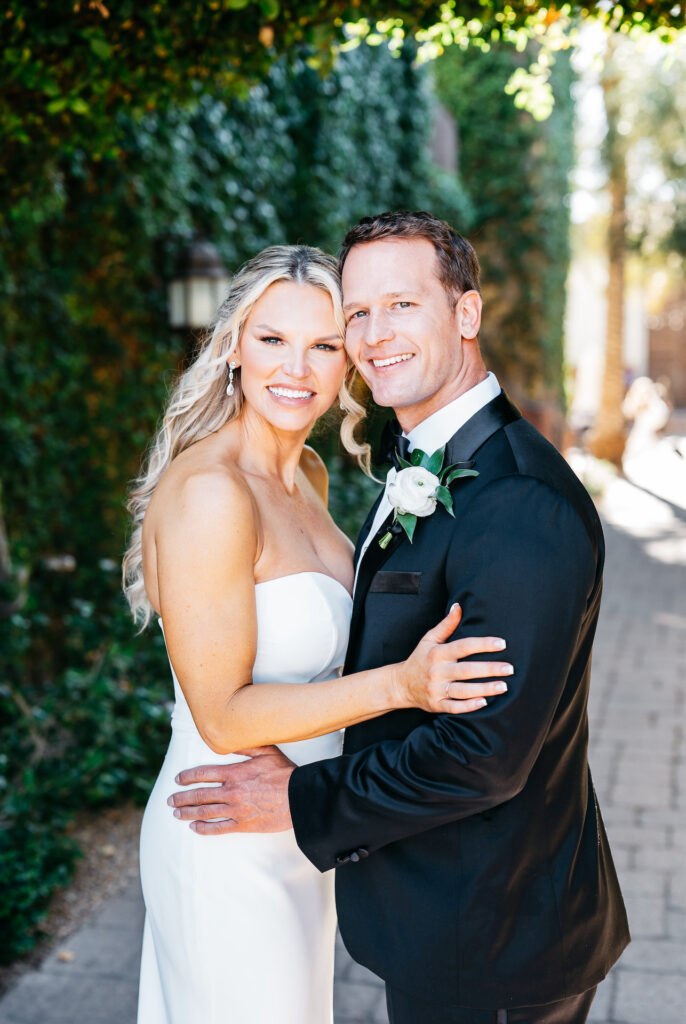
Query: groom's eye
x=357 y=315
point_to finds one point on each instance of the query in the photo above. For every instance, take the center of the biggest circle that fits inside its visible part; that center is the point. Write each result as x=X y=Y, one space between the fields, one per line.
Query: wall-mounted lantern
x=199 y=287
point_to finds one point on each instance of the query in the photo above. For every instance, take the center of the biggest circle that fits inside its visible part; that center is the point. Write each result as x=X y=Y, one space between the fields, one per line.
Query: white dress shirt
x=433 y=433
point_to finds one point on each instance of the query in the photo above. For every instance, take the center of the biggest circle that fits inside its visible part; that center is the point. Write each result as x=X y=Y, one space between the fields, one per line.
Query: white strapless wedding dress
x=240 y=928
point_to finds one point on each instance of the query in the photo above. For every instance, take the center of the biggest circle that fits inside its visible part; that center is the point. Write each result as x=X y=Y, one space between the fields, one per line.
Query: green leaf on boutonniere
x=404 y=464
x=416 y=456
x=456 y=473
x=408 y=523
x=446 y=499
x=434 y=463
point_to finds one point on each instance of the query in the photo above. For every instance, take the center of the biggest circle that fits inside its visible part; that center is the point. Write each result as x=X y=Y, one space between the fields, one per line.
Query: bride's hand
x=434 y=678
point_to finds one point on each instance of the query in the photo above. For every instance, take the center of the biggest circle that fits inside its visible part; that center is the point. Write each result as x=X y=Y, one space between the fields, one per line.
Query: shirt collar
x=436 y=430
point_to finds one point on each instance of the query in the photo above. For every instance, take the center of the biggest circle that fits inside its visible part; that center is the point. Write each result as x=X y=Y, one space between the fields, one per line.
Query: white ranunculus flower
x=413 y=491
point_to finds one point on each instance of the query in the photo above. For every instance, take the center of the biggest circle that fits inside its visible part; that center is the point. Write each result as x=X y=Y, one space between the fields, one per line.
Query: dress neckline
x=305 y=572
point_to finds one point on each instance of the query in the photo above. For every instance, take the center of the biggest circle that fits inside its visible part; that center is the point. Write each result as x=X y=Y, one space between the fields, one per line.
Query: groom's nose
x=378 y=328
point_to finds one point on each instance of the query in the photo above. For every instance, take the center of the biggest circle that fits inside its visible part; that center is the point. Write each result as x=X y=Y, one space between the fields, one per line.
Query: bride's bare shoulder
x=199 y=487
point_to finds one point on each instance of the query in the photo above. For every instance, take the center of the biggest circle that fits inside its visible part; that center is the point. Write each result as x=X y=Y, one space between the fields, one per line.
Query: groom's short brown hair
x=458 y=265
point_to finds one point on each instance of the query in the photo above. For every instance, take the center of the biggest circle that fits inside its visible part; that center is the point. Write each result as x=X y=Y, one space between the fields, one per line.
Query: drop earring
x=229 y=386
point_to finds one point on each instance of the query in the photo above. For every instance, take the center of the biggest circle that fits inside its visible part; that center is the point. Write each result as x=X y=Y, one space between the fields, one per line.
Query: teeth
x=290 y=393
x=392 y=359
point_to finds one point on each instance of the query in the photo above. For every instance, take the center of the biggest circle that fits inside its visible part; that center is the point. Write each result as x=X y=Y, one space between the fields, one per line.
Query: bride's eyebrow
x=273 y=330
x=266 y=327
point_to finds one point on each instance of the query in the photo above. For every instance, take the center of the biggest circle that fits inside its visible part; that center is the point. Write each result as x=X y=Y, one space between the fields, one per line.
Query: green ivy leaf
x=55 y=106
x=270 y=8
x=100 y=47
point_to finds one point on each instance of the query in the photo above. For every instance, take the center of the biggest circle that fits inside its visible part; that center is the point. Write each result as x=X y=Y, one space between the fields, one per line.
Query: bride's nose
x=296 y=365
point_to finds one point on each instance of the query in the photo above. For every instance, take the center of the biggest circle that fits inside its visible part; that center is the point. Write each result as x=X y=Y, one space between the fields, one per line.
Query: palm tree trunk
x=607 y=439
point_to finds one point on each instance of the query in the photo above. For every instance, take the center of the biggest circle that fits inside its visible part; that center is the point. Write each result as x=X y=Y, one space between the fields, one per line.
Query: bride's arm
x=206 y=552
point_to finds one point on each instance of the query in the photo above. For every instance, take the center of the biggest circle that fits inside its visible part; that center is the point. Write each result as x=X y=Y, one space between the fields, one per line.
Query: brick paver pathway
x=638 y=757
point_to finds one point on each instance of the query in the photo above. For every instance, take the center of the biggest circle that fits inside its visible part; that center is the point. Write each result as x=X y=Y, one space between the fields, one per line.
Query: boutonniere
x=418 y=487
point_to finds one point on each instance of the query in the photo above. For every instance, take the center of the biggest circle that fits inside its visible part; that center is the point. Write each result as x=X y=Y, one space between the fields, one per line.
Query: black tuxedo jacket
x=474 y=867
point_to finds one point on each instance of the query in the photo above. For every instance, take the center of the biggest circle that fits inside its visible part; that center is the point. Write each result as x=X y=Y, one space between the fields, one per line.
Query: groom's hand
x=252 y=797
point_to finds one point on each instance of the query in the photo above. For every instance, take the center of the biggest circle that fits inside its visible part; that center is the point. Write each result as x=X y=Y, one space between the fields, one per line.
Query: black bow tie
x=393 y=444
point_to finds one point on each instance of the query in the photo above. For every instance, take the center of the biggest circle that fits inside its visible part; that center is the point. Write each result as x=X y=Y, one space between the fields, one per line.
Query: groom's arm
x=524 y=569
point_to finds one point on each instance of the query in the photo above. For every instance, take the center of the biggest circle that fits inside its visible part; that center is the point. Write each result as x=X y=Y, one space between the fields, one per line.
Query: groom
x=474 y=874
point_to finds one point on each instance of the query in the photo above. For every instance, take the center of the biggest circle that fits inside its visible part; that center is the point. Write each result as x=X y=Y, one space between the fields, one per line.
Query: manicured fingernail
x=500 y=687
x=170 y=801
x=455 y=607
x=506 y=670
x=482 y=702
x=177 y=812
x=176 y=777
x=499 y=645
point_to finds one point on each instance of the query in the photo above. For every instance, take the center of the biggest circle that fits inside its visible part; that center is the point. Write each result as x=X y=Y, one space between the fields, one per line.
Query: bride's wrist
x=396 y=690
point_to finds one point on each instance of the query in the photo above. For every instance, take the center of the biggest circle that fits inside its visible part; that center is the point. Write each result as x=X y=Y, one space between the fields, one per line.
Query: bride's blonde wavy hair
x=198 y=404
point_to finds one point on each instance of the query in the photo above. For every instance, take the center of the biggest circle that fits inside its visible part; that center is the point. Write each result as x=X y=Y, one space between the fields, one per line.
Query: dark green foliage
x=69 y=69
x=84 y=718
x=351 y=495
x=85 y=363
x=516 y=172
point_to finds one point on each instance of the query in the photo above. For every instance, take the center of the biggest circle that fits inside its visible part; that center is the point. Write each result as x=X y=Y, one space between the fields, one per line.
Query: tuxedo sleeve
x=522 y=565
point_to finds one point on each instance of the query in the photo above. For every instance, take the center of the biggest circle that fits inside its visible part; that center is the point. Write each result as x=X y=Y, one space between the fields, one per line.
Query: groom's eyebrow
x=407 y=294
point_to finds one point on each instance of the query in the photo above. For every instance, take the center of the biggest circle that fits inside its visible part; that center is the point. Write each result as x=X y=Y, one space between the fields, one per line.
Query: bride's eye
x=271 y=339
x=327 y=347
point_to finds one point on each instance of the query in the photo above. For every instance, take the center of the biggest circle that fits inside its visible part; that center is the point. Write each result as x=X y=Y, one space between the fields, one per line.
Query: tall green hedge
x=86 y=360
x=516 y=170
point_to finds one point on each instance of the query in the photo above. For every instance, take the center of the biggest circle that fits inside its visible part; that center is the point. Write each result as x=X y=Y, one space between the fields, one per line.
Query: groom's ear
x=469 y=307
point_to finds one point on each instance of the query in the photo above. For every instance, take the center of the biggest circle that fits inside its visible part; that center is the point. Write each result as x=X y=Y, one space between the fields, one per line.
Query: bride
x=235 y=553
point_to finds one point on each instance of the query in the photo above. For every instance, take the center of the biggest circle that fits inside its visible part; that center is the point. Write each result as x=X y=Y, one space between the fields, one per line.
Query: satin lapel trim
x=468 y=439
x=373 y=558
x=365 y=528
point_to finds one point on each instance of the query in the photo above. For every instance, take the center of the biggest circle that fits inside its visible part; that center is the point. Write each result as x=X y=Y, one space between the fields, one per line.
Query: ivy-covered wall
x=85 y=362
x=516 y=171
x=87 y=357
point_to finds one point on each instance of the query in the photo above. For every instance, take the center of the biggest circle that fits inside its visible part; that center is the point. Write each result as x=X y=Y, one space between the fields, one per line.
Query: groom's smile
x=391 y=361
